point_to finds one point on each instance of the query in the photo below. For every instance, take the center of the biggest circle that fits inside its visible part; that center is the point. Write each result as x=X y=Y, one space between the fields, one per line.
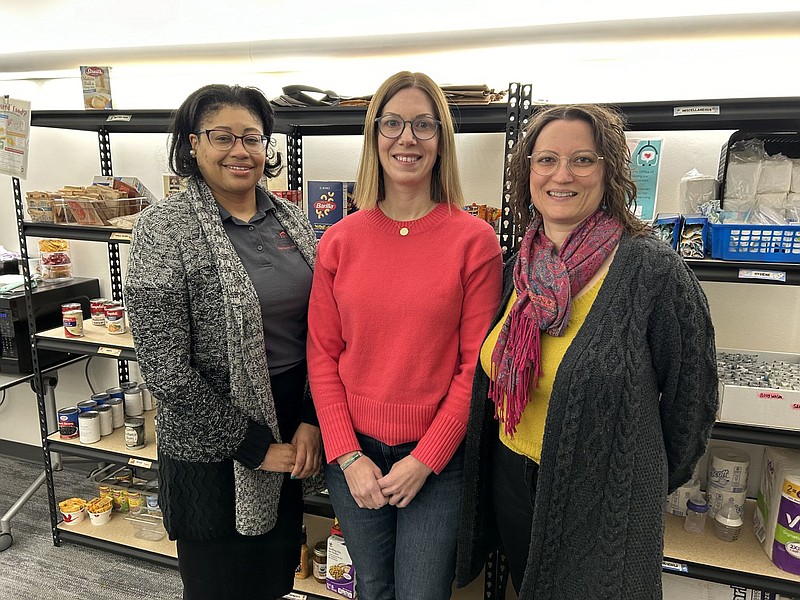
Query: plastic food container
x=73 y=510
x=148 y=526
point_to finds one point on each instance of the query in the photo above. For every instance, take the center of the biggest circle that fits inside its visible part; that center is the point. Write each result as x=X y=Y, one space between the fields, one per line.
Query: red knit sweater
x=395 y=325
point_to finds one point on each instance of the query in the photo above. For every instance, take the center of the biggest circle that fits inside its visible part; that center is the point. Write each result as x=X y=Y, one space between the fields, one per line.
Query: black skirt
x=224 y=564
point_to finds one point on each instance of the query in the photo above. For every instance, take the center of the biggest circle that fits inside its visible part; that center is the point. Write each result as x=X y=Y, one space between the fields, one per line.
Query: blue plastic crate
x=759 y=243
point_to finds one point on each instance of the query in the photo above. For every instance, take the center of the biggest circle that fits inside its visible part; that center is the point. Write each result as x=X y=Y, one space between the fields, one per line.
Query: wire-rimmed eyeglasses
x=393 y=126
x=581 y=164
x=254 y=143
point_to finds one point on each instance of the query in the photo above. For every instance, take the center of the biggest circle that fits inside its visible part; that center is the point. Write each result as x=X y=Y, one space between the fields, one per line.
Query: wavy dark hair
x=206 y=101
x=608 y=129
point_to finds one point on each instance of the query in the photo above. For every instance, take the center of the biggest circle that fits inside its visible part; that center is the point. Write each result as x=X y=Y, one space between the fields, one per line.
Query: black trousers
x=240 y=567
x=514 y=490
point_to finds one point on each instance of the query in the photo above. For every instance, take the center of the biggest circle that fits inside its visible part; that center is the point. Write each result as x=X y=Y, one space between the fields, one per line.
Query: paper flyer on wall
x=15 y=130
x=645 y=164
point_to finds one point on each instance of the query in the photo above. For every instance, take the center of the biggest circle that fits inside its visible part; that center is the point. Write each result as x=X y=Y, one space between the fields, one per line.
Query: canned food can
x=97 y=306
x=115 y=320
x=126 y=385
x=106 y=419
x=116 y=392
x=73 y=323
x=124 y=476
x=89 y=427
x=86 y=405
x=133 y=402
x=70 y=306
x=117 y=412
x=134 y=433
x=101 y=398
x=147 y=397
x=68 y=422
x=104 y=491
x=111 y=304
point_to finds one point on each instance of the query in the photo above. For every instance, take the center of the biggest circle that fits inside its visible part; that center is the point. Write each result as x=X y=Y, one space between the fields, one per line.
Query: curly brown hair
x=608 y=128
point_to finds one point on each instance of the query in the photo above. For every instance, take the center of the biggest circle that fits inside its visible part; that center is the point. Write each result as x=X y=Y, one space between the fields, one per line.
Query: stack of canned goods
x=100 y=415
x=748 y=370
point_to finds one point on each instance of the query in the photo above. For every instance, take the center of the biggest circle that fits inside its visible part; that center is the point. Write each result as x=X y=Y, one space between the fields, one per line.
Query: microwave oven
x=15 y=347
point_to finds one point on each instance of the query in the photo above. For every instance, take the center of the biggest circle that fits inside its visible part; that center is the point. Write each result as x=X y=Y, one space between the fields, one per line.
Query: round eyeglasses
x=393 y=126
x=580 y=164
x=254 y=143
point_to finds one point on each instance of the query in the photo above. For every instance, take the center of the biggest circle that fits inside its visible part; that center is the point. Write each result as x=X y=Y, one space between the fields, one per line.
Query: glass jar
x=320 y=561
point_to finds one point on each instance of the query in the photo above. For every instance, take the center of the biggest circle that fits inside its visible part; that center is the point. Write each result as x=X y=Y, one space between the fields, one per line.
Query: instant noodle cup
x=73 y=510
x=99 y=510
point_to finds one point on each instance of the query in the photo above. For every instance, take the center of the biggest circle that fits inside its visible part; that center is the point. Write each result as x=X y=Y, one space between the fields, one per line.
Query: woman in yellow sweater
x=596 y=389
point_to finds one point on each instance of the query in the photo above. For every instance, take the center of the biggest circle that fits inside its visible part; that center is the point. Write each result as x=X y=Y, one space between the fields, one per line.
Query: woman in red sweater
x=403 y=294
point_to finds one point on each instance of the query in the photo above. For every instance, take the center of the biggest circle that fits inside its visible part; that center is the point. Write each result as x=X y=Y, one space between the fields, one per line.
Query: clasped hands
x=371 y=489
x=302 y=457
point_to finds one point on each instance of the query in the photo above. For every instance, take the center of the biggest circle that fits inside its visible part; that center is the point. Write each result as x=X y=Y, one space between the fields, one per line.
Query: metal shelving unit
x=747 y=114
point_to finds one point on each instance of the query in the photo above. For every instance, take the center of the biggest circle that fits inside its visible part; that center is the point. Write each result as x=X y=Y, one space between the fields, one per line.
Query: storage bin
x=760 y=243
x=775 y=142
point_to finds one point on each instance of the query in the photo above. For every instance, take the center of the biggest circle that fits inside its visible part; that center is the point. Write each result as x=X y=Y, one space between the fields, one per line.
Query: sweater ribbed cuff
x=338 y=435
x=254 y=446
x=440 y=442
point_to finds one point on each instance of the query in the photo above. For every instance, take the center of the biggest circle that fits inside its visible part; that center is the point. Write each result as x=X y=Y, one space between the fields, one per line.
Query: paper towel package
x=795 y=186
x=777 y=516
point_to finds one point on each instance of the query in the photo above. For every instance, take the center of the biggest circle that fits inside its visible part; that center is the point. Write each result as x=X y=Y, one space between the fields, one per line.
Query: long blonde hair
x=445 y=180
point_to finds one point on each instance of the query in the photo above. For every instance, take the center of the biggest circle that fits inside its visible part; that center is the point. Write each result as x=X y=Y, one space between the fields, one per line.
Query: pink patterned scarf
x=545 y=282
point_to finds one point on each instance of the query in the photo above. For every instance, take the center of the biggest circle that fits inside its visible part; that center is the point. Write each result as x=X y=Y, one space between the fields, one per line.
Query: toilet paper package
x=776 y=519
x=795 y=185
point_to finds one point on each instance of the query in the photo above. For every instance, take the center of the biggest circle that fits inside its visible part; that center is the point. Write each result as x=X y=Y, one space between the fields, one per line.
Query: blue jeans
x=401 y=553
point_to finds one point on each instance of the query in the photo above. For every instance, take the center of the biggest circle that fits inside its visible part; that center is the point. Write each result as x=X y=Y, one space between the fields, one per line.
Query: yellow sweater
x=530 y=431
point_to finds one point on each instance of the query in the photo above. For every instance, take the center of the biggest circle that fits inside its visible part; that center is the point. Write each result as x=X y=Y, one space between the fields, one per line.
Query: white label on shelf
x=682 y=111
x=112 y=118
x=138 y=462
x=119 y=235
x=674 y=566
x=295 y=596
x=768 y=275
x=109 y=351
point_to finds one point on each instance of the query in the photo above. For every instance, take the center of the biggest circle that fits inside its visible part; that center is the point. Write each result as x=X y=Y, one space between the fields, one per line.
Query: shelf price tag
x=295 y=596
x=766 y=275
x=138 y=462
x=120 y=236
x=668 y=565
x=115 y=118
x=105 y=350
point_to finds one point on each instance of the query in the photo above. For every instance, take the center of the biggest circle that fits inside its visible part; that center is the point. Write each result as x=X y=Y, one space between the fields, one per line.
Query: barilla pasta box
x=96 y=88
x=326 y=204
x=340 y=575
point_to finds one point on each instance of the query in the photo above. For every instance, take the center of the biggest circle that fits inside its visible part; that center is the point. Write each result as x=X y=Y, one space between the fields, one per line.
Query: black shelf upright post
x=114 y=262
x=37 y=380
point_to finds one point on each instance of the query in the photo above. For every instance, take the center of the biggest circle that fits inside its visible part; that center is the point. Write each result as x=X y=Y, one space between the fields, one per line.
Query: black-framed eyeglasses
x=581 y=164
x=254 y=143
x=393 y=126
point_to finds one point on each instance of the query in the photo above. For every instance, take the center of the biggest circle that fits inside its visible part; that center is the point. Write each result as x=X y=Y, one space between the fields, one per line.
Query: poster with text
x=15 y=129
x=645 y=164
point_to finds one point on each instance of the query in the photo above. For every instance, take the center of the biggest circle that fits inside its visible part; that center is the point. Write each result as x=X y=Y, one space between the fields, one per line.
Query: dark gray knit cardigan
x=196 y=324
x=631 y=412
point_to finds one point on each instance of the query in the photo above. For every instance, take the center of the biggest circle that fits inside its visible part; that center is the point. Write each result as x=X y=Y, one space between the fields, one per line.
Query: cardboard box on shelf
x=96 y=83
x=760 y=406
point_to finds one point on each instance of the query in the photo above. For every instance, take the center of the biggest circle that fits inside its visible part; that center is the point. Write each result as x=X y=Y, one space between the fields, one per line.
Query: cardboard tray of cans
x=759 y=388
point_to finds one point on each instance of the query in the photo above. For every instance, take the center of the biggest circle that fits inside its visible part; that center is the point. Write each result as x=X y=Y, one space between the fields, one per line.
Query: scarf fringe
x=522 y=355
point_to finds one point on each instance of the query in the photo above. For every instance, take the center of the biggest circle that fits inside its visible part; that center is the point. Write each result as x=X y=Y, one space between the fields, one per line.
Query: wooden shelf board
x=119 y=531
x=745 y=555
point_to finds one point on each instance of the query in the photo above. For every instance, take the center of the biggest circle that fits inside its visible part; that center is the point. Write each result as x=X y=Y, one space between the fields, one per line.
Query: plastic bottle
x=696 y=509
x=728 y=523
x=303 y=569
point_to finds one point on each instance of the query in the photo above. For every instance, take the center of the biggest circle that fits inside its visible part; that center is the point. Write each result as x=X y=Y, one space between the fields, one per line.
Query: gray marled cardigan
x=631 y=412
x=197 y=328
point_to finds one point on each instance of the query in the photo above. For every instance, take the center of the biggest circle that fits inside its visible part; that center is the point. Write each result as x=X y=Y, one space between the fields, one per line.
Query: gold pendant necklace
x=404 y=231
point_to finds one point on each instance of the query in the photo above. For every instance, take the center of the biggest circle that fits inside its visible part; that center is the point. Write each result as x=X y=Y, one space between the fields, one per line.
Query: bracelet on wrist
x=353 y=458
